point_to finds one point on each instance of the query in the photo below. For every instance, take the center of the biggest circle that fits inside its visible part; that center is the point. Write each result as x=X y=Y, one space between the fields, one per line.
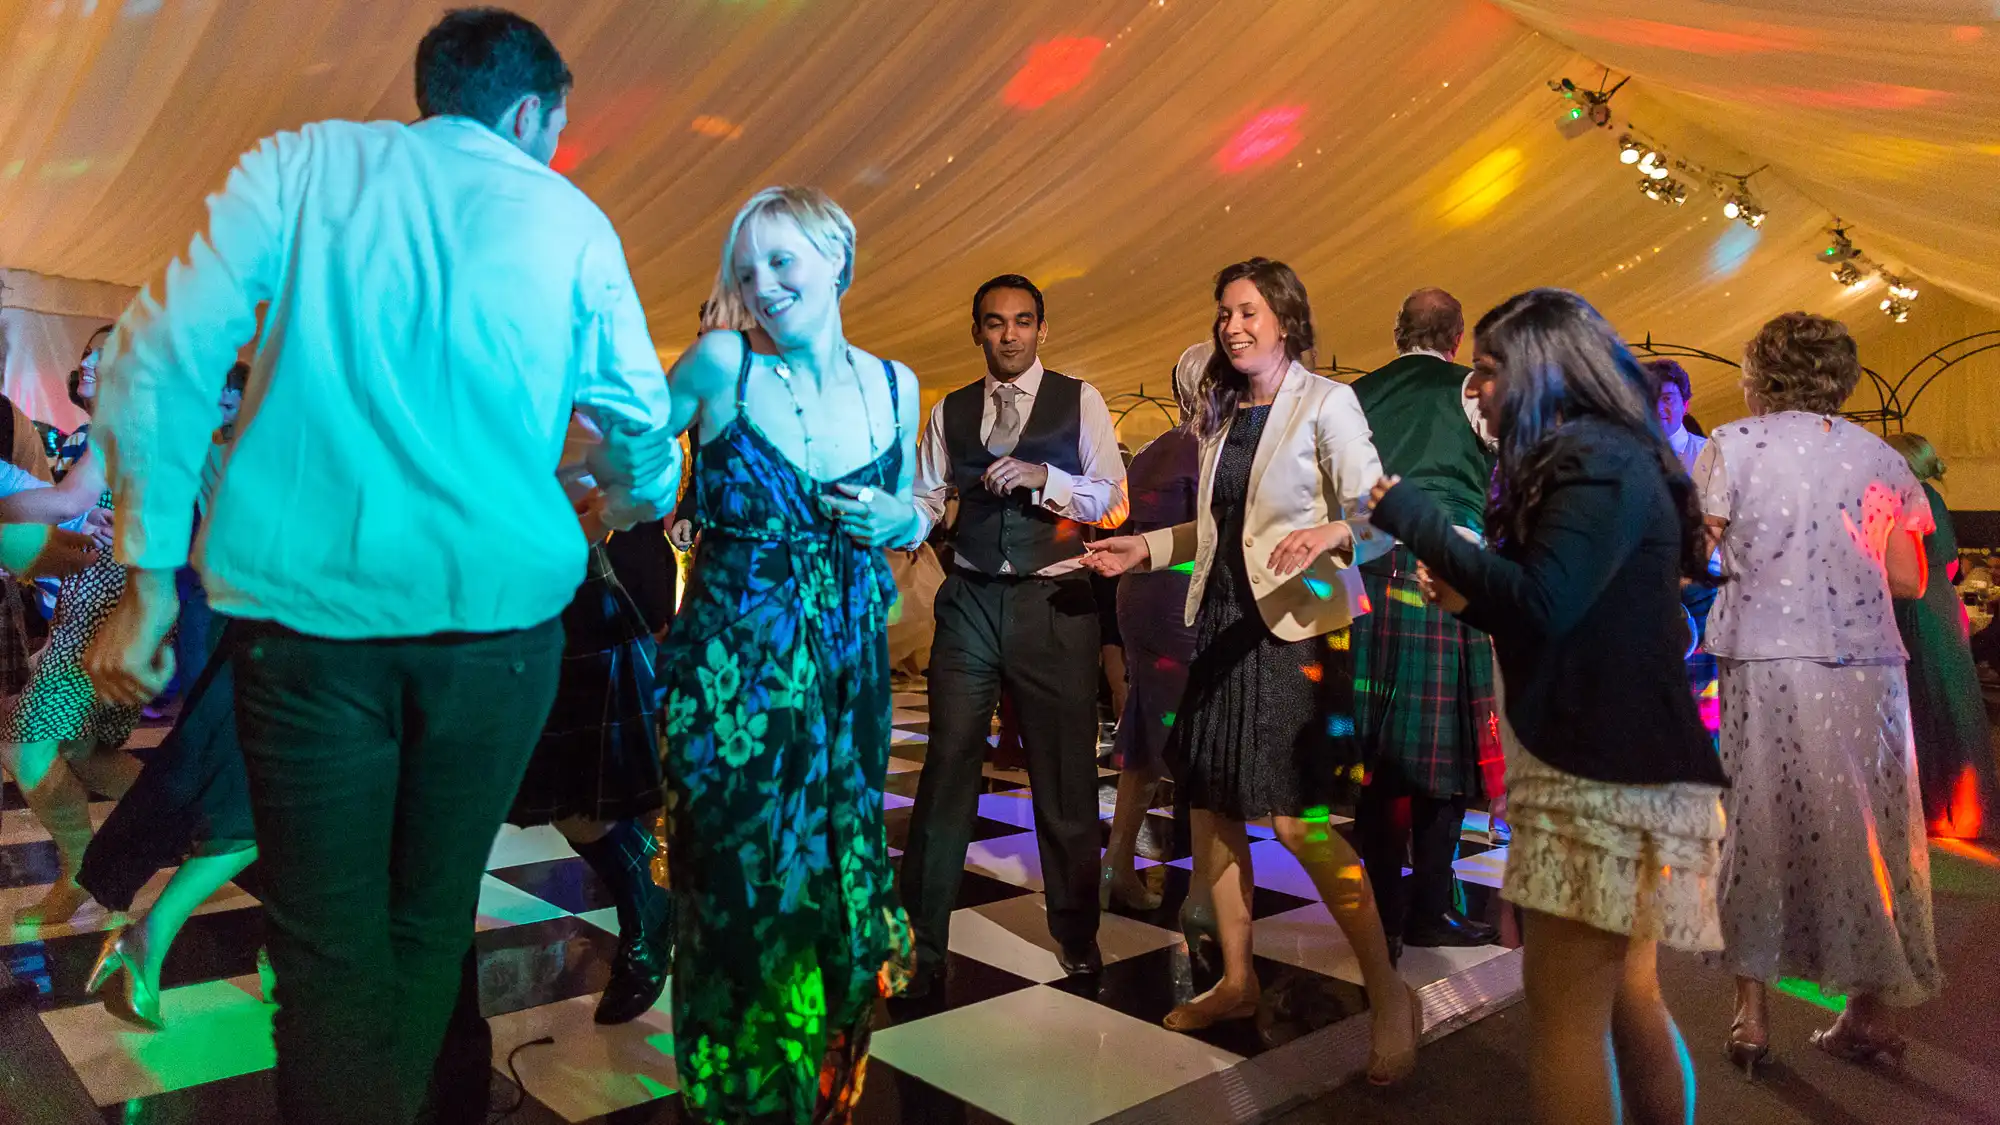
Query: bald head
x=1431 y=320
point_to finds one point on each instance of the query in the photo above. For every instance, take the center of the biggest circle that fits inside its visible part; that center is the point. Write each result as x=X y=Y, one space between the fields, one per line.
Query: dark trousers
x=1425 y=830
x=379 y=773
x=1038 y=639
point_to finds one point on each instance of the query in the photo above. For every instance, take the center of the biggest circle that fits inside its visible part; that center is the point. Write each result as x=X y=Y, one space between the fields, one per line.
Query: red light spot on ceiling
x=1968 y=33
x=596 y=123
x=566 y=159
x=1736 y=37
x=1054 y=68
x=1854 y=95
x=1266 y=139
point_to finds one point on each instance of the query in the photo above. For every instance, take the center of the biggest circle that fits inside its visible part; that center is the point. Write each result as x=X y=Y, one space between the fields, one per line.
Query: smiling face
x=783 y=279
x=1247 y=330
x=1009 y=331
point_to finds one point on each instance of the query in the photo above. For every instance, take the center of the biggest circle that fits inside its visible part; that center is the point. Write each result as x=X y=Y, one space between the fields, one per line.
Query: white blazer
x=1315 y=464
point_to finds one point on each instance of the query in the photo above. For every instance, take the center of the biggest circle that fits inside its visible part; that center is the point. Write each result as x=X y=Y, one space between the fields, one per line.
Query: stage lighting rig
x=1589 y=109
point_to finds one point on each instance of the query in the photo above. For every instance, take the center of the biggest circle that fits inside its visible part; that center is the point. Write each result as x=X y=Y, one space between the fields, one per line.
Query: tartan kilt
x=1423 y=689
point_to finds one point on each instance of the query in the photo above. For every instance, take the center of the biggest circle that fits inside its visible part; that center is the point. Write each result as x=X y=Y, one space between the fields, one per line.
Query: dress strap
x=743 y=372
x=895 y=408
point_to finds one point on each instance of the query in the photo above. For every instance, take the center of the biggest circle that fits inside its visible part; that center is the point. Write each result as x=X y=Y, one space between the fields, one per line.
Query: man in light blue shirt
x=388 y=532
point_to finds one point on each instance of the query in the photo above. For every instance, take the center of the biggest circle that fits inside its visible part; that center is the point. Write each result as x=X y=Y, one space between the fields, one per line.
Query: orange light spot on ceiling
x=1480 y=188
x=718 y=128
x=1856 y=95
x=1735 y=37
x=1265 y=140
x=1968 y=33
x=1054 y=68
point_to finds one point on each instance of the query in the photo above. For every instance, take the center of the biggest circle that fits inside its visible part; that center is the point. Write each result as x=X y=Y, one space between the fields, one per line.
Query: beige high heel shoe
x=134 y=999
x=1391 y=1069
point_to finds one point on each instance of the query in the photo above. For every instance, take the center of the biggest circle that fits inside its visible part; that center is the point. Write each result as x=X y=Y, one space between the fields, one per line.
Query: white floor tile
x=1276 y=869
x=1308 y=938
x=904 y=765
x=1014 y=935
x=1010 y=859
x=1044 y=1057
x=215 y=1030
x=19 y=826
x=605 y=919
x=907 y=737
x=909 y=715
x=1485 y=869
x=93 y=918
x=896 y=801
x=915 y=699
x=516 y=846
x=589 y=1070
x=1012 y=807
x=502 y=905
x=146 y=738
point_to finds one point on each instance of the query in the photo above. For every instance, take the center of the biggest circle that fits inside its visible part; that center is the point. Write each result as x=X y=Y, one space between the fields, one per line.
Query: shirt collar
x=465 y=131
x=1428 y=352
x=1030 y=380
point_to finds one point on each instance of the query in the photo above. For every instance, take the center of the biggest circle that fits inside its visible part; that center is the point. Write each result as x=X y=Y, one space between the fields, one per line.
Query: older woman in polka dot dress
x=1825 y=872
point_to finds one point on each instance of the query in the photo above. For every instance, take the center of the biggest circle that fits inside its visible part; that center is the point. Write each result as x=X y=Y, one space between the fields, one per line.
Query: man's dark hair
x=477 y=62
x=1008 y=281
x=1661 y=372
x=1430 y=319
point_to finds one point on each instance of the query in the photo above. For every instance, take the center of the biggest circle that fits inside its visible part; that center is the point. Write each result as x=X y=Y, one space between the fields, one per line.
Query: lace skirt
x=1628 y=859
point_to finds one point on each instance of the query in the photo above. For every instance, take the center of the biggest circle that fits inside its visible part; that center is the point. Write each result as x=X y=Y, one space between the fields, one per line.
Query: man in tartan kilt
x=1423 y=686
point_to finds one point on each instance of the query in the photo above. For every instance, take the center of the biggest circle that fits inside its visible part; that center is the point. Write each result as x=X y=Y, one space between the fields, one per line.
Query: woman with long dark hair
x=1267 y=725
x=1612 y=783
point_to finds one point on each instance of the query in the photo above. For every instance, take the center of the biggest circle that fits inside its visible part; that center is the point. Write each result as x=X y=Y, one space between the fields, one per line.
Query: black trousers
x=1427 y=836
x=379 y=773
x=1039 y=639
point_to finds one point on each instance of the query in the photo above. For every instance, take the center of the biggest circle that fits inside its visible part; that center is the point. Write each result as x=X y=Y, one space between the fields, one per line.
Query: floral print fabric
x=777 y=745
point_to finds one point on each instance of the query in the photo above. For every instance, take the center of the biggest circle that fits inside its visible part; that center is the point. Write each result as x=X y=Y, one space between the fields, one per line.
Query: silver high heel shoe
x=133 y=998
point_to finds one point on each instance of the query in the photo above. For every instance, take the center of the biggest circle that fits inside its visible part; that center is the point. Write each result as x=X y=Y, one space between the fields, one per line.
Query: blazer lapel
x=1277 y=430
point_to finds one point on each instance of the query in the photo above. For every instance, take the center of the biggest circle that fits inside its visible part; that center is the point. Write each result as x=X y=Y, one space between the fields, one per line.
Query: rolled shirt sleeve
x=165 y=363
x=622 y=390
x=930 y=487
x=1350 y=465
x=1096 y=496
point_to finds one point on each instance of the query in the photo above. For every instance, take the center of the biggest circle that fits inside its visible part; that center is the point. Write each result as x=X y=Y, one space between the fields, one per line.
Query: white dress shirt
x=1465 y=401
x=438 y=303
x=1097 y=497
x=1687 y=446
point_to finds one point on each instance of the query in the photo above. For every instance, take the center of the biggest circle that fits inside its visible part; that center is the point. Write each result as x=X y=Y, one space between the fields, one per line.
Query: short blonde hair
x=822 y=221
x=1920 y=453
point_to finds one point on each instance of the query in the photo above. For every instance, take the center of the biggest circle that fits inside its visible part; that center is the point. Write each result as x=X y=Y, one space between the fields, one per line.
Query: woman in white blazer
x=1266 y=727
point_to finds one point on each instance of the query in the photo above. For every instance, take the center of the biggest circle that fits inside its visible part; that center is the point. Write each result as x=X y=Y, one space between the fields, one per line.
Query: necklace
x=784 y=371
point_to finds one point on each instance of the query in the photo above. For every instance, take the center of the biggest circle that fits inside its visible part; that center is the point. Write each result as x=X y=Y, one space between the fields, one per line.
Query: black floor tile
x=967 y=981
x=897 y=821
x=248 y=1099
x=1263 y=902
x=1295 y=1001
x=210 y=947
x=542 y=963
x=1157 y=839
x=568 y=883
x=29 y=865
x=891 y=1097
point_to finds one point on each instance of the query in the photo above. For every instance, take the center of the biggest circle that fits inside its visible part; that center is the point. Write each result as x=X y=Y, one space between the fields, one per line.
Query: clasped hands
x=1300 y=549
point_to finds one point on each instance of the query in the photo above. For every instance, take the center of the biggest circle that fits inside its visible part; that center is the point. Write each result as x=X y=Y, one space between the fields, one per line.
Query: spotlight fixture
x=1658 y=171
x=1751 y=215
x=1900 y=289
x=1847 y=275
x=1897 y=309
x=1677 y=191
x=1629 y=150
x=1841 y=249
x=1590 y=109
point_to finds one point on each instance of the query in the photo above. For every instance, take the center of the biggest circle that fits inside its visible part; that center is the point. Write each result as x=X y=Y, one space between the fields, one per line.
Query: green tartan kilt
x=1423 y=689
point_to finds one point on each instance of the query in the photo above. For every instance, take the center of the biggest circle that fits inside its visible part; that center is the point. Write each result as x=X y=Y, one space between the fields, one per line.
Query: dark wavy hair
x=1799 y=361
x=1222 y=386
x=1563 y=363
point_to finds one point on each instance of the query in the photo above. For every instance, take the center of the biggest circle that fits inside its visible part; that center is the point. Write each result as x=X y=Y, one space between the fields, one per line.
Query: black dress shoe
x=1448 y=929
x=1395 y=950
x=925 y=982
x=1081 y=960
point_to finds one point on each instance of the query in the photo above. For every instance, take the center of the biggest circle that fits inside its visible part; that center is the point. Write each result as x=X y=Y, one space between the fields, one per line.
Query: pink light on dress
x=1054 y=68
x=1265 y=140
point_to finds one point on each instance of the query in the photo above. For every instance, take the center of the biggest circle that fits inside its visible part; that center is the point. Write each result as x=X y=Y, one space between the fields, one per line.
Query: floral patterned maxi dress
x=778 y=729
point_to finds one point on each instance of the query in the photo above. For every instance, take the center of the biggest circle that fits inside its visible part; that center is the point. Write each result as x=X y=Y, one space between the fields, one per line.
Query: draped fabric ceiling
x=1120 y=152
